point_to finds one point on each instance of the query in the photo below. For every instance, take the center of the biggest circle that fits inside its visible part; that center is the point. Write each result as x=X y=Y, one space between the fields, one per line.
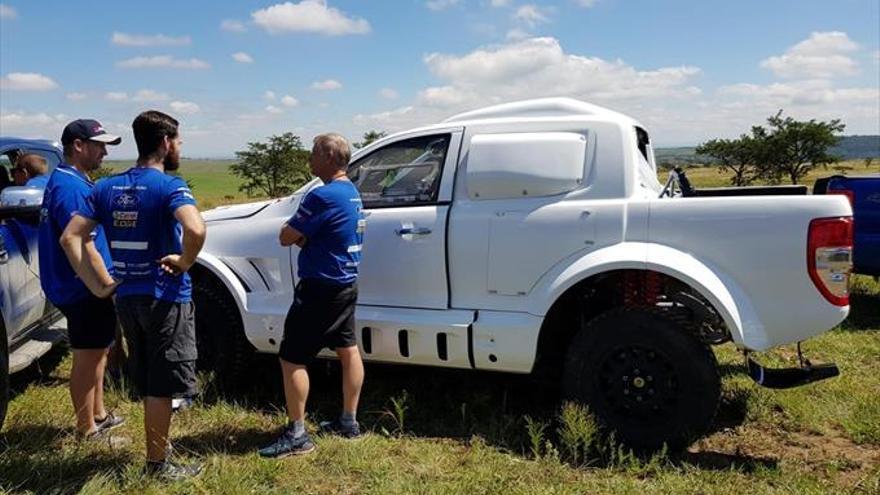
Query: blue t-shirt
x=330 y=218
x=40 y=181
x=66 y=193
x=136 y=209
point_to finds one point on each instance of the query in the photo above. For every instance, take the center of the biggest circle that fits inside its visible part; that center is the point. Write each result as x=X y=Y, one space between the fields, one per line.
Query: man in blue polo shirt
x=329 y=230
x=91 y=321
x=155 y=233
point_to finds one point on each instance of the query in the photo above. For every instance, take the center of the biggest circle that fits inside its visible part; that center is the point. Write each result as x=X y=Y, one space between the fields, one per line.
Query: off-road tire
x=646 y=378
x=222 y=345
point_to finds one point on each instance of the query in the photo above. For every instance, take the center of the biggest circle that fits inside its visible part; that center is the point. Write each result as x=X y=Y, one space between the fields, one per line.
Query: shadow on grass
x=237 y=441
x=23 y=440
x=51 y=472
x=41 y=372
x=864 y=313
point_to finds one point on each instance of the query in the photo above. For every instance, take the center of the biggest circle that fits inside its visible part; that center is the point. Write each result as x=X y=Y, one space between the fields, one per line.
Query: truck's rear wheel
x=647 y=379
x=222 y=345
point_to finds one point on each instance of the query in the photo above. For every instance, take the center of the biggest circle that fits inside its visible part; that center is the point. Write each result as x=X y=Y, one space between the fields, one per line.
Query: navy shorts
x=91 y=323
x=322 y=315
x=161 y=337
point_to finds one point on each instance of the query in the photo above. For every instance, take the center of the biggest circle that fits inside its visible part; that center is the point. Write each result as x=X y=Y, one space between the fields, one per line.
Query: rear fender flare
x=728 y=299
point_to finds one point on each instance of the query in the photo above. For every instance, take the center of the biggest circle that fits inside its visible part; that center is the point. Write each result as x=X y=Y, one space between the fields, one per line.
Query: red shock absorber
x=641 y=288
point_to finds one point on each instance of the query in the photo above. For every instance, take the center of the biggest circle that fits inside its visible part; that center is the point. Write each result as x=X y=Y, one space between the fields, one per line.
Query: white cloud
x=388 y=94
x=273 y=109
x=443 y=96
x=269 y=95
x=76 y=96
x=116 y=96
x=517 y=34
x=289 y=101
x=500 y=3
x=184 y=107
x=162 y=61
x=587 y=3
x=7 y=12
x=440 y=4
x=822 y=55
x=32 y=125
x=27 y=81
x=242 y=57
x=125 y=39
x=801 y=93
x=308 y=16
x=531 y=15
x=233 y=26
x=329 y=84
x=148 y=95
x=382 y=117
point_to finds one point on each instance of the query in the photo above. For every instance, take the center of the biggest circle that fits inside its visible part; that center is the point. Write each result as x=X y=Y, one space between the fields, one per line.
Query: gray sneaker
x=109 y=422
x=172 y=471
x=286 y=444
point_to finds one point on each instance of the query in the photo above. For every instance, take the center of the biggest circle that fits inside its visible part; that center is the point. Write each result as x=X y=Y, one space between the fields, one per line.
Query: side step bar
x=791 y=377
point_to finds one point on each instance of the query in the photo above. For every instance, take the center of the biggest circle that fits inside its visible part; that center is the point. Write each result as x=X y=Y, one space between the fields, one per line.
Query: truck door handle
x=412 y=231
x=4 y=256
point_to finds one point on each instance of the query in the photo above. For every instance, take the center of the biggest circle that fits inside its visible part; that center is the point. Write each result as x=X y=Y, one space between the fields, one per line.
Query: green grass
x=447 y=431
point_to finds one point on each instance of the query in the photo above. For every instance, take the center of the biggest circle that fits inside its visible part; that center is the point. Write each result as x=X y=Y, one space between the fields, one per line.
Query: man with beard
x=91 y=320
x=155 y=233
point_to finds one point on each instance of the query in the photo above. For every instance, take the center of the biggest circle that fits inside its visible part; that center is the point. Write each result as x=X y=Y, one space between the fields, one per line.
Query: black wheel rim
x=638 y=383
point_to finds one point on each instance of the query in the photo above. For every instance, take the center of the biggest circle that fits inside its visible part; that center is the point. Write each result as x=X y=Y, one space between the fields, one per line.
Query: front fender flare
x=227 y=278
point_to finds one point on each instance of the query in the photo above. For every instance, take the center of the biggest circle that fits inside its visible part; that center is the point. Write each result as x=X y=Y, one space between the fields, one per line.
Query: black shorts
x=91 y=323
x=161 y=337
x=322 y=315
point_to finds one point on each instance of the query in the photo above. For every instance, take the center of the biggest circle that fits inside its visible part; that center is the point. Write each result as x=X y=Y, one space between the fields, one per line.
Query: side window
x=52 y=159
x=5 y=170
x=405 y=173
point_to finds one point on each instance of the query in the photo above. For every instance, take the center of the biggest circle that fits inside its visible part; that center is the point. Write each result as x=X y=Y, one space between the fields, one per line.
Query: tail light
x=829 y=257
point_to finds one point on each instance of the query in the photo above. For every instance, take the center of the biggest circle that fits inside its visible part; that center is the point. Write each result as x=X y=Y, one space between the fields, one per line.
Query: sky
x=238 y=72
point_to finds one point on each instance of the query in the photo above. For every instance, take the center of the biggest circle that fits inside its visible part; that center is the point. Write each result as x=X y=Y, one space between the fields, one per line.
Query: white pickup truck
x=534 y=237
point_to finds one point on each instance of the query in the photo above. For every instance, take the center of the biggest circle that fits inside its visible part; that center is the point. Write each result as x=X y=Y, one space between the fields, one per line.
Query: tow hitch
x=790 y=377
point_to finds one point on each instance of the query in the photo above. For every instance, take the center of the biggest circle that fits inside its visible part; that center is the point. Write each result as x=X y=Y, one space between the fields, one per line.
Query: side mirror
x=21 y=196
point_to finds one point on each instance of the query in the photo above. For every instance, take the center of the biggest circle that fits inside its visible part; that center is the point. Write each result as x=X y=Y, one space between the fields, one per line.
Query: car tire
x=646 y=378
x=222 y=346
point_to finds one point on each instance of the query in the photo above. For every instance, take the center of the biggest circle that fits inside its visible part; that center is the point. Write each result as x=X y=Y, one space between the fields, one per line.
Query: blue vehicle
x=28 y=326
x=864 y=196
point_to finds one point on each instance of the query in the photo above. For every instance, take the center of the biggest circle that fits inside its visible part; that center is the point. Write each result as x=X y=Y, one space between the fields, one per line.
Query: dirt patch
x=830 y=455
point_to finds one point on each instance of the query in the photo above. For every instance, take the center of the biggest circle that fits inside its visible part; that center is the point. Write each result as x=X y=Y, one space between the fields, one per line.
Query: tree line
x=783 y=149
x=786 y=149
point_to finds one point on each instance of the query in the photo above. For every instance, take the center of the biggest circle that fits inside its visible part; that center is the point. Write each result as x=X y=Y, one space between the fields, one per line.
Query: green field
x=442 y=431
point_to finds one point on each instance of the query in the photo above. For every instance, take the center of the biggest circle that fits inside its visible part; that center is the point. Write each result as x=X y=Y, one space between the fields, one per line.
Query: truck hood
x=231 y=212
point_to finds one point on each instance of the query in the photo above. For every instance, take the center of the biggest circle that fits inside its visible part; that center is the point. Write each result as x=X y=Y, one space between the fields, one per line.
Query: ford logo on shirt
x=126 y=200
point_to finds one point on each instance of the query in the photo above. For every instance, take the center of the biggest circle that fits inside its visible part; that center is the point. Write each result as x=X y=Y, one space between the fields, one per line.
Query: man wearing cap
x=91 y=320
x=155 y=233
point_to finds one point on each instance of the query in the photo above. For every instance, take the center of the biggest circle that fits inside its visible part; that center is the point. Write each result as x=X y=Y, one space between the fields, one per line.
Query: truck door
x=406 y=187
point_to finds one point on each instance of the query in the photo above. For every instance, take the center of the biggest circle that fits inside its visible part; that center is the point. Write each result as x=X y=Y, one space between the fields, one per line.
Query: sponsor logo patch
x=126 y=200
x=125 y=219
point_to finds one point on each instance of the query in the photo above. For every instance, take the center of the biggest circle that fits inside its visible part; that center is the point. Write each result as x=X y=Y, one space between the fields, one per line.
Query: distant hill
x=849 y=148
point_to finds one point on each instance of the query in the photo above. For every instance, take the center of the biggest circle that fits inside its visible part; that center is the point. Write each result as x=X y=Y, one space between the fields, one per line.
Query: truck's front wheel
x=222 y=345
x=645 y=377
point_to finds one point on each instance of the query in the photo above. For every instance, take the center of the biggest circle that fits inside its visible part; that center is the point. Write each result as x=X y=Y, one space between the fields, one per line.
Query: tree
x=369 y=137
x=274 y=168
x=736 y=155
x=793 y=148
